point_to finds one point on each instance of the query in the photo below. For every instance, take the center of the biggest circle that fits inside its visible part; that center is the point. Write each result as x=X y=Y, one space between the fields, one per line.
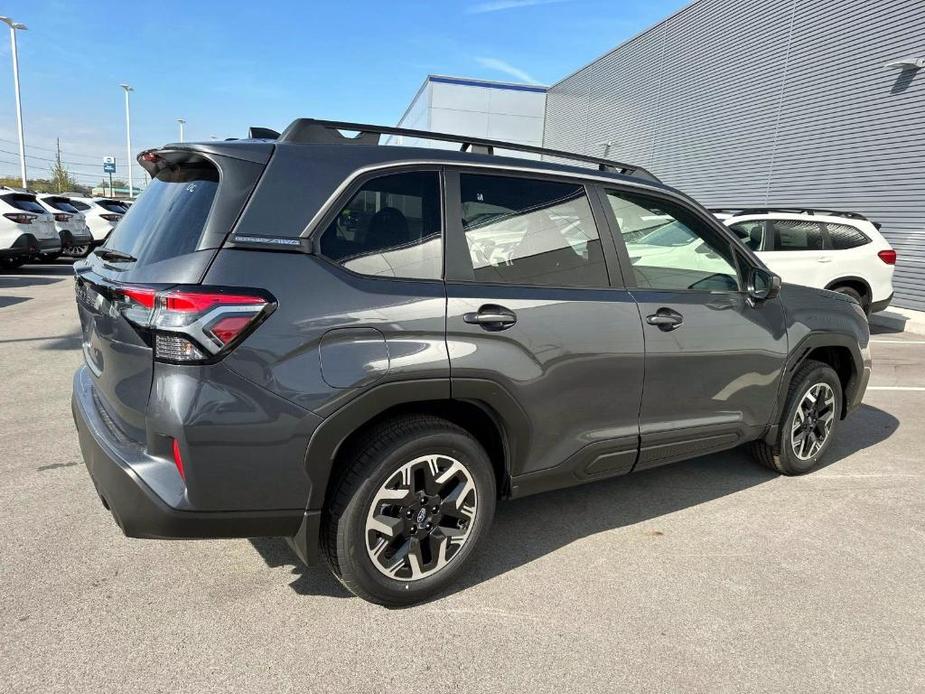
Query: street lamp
x=181 y=122
x=22 y=145
x=128 y=140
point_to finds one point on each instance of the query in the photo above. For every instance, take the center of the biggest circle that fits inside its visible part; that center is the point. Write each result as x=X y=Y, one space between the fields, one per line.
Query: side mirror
x=762 y=284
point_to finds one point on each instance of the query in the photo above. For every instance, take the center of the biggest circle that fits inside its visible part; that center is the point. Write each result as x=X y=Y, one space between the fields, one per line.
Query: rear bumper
x=71 y=240
x=26 y=245
x=136 y=507
x=877 y=306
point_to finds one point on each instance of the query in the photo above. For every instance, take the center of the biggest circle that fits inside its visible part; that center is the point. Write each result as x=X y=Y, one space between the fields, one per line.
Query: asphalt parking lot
x=712 y=574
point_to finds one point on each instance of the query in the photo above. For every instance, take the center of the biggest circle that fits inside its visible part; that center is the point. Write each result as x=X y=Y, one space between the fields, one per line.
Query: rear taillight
x=111 y=217
x=196 y=324
x=178 y=459
x=20 y=217
x=61 y=217
x=888 y=257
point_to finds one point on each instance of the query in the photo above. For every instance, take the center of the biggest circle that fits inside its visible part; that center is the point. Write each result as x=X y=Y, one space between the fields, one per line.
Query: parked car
x=297 y=336
x=27 y=229
x=102 y=215
x=71 y=225
x=841 y=251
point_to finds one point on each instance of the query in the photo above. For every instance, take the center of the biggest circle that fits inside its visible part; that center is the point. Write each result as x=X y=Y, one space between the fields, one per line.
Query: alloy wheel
x=813 y=421
x=421 y=517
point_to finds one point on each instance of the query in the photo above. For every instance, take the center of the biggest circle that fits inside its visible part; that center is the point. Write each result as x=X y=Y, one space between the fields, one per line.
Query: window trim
x=336 y=204
x=711 y=222
x=456 y=250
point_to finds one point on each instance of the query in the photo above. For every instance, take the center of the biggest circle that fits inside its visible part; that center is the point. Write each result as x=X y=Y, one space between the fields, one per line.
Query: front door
x=713 y=357
x=533 y=312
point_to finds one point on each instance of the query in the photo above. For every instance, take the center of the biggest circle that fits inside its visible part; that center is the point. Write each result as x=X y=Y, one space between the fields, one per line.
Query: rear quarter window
x=844 y=236
x=169 y=218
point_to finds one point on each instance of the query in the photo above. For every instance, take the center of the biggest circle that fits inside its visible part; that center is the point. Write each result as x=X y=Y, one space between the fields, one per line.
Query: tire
x=11 y=263
x=856 y=295
x=784 y=456
x=77 y=251
x=393 y=458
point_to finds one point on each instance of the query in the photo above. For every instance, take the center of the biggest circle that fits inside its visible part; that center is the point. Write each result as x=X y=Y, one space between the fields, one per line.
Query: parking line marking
x=895 y=387
x=899 y=342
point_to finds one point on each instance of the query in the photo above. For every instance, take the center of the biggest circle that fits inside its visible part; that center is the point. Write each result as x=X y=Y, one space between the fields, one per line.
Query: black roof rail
x=792 y=210
x=312 y=131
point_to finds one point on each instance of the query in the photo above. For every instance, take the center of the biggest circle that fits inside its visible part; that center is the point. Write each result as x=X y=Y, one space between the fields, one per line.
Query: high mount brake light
x=20 y=217
x=195 y=324
x=61 y=217
x=888 y=257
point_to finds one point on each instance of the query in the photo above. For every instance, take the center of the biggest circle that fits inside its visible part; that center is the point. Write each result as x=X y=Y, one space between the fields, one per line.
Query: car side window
x=530 y=232
x=390 y=228
x=670 y=248
x=844 y=236
x=795 y=235
x=751 y=233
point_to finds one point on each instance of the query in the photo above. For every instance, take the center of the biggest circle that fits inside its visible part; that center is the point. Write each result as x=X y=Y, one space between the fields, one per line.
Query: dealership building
x=784 y=103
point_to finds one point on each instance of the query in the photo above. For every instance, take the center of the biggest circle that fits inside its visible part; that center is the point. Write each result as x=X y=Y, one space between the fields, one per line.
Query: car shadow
x=522 y=531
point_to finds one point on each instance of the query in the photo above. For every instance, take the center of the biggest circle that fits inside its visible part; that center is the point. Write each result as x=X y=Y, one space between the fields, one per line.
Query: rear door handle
x=826 y=259
x=665 y=319
x=492 y=317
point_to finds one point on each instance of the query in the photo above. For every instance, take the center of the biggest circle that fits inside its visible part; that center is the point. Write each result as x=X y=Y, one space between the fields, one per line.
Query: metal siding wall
x=782 y=102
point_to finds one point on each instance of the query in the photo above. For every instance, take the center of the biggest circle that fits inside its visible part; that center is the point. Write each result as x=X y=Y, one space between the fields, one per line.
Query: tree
x=61 y=179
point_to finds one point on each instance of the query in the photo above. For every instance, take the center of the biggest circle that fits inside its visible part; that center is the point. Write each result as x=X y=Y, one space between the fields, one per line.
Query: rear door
x=713 y=357
x=536 y=308
x=796 y=249
x=169 y=237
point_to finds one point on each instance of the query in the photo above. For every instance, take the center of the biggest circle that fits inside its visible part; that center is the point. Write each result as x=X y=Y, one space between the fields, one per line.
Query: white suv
x=841 y=251
x=102 y=215
x=71 y=224
x=27 y=230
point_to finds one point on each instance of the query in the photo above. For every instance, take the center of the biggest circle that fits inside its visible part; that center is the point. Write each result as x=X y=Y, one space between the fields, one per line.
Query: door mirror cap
x=762 y=284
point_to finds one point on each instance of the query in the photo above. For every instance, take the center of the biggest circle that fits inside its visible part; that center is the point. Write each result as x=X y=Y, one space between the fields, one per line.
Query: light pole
x=181 y=122
x=128 y=141
x=22 y=145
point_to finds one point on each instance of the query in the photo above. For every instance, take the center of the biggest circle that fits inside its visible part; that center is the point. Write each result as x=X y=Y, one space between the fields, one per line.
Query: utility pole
x=58 y=167
x=14 y=26
x=128 y=141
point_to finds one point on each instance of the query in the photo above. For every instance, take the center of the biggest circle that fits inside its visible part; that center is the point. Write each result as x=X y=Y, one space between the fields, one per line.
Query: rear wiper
x=113 y=254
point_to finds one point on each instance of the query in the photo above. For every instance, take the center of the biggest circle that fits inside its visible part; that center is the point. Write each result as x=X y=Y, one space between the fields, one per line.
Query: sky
x=226 y=65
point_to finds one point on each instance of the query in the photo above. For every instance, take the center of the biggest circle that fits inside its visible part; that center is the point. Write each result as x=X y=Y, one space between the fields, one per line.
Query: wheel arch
x=859 y=284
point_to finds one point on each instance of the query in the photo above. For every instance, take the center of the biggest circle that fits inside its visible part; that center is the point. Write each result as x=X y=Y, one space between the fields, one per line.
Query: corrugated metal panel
x=781 y=102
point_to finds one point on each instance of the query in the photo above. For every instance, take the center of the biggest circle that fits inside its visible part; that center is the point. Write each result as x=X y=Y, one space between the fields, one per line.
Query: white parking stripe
x=899 y=342
x=895 y=387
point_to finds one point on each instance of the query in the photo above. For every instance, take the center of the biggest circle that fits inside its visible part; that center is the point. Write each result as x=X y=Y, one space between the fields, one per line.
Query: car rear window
x=113 y=206
x=82 y=206
x=845 y=237
x=169 y=218
x=23 y=202
x=61 y=204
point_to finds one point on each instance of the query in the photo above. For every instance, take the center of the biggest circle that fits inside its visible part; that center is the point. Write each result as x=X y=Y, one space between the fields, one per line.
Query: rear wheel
x=76 y=251
x=417 y=497
x=807 y=425
x=856 y=295
x=11 y=263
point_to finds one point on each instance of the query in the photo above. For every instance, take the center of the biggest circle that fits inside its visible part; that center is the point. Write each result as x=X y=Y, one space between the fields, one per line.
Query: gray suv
x=361 y=347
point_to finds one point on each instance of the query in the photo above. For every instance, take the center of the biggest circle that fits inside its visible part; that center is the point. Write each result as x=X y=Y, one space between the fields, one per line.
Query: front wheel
x=807 y=426
x=415 y=500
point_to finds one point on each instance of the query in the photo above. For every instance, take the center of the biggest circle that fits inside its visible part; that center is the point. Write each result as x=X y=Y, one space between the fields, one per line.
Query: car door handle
x=492 y=317
x=827 y=259
x=665 y=319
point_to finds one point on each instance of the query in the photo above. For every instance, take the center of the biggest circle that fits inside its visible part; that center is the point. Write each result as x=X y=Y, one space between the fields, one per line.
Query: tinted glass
x=669 y=248
x=25 y=202
x=82 y=206
x=390 y=228
x=795 y=235
x=61 y=205
x=844 y=236
x=532 y=232
x=169 y=217
x=750 y=233
x=113 y=206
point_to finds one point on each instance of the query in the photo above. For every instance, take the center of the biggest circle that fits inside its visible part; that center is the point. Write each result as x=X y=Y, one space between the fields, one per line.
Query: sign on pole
x=109 y=164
